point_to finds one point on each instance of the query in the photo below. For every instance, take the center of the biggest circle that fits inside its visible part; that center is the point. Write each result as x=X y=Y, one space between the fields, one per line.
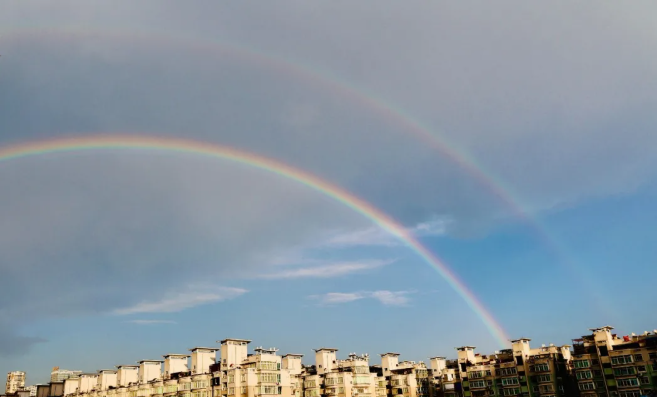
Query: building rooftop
x=176 y=355
x=520 y=340
x=293 y=355
x=150 y=361
x=214 y=349
x=605 y=328
x=128 y=366
x=465 y=348
x=389 y=354
x=233 y=340
x=330 y=349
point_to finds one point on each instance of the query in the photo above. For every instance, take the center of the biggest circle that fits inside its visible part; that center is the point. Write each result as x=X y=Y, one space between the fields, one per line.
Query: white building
x=15 y=381
x=59 y=375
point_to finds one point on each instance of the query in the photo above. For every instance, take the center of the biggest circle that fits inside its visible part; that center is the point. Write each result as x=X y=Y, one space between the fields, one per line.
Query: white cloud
x=151 y=322
x=338 y=297
x=376 y=236
x=392 y=298
x=194 y=296
x=385 y=297
x=328 y=270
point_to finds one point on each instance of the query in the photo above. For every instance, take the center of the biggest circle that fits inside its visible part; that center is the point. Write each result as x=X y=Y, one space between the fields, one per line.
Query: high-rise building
x=59 y=375
x=15 y=381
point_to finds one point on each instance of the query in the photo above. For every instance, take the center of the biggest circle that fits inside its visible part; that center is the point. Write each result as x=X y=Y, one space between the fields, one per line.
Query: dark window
x=603 y=351
x=519 y=360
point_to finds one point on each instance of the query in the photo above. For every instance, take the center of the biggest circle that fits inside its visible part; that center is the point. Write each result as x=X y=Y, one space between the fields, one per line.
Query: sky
x=512 y=142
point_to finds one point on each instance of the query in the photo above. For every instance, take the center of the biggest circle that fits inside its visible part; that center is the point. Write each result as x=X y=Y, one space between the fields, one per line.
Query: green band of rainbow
x=257 y=161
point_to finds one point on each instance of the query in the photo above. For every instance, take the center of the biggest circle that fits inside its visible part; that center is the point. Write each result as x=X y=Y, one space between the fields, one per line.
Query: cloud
x=376 y=236
x=385 y=297
x=338 y=297
x=151 y=322
x=392 y=298
x=12 y=344
x=530 y=94
x=184 y=300
x=327 y=270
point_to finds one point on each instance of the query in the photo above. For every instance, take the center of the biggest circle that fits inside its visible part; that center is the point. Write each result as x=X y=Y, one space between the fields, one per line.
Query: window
x=509 y=381
x=270 y=390
x=652 y=355
x=359 y=380
x=641 y=368
x=638 y=358
x=629 y=394
x=243 y=389
x=508 y=371
x=624 y=371
x=475 y=374
x=584 y=375
x=477 y=384
x=268 y=377
x=231 y=391
x=597 y=373
x=512 y=391
x=582 y=363
x=544 y=378
x=545 y=388
x=627 y=359
x=645 y=380
x=544 y=367
x=628 y=382
x=268 y=365
x=587 y=386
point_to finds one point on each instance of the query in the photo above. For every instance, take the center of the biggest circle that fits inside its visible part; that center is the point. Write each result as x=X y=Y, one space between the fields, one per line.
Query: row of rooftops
x=353 y=356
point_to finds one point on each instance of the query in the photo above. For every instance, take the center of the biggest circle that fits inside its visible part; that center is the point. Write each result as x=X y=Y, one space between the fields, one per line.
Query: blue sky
x=112 y=256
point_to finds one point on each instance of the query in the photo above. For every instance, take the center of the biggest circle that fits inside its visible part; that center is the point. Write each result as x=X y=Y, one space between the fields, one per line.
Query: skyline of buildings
x=600 y=364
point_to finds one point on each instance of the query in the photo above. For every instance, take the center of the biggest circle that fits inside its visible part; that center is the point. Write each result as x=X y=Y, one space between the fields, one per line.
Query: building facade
x=597 y=365
x=15 y=382
x=60 y=375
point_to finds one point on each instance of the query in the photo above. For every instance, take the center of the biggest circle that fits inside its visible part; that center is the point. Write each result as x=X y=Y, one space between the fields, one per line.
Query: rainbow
x=325 y=80
x=105 y=142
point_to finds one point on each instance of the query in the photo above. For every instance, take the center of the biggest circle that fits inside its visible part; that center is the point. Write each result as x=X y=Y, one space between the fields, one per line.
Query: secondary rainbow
x=127 y=142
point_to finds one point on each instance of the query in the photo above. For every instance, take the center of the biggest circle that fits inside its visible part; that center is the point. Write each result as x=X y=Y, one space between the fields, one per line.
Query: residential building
x=599 y=365
x=605 y=364
x=59 y=375
x=15 y=382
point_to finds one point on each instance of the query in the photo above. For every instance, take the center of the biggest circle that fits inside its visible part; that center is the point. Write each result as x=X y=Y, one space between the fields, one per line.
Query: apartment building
x=605 y=364
x=60 y=375
x=15 y=382
x=597 y=365
x=521 y=370
x=248 y=375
